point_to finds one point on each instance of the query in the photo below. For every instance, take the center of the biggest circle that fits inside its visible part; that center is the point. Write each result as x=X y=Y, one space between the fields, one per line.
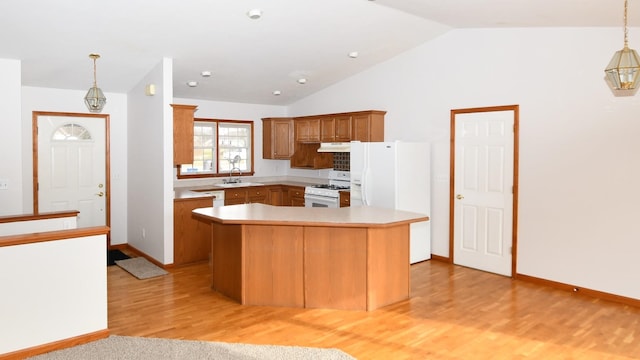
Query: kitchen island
x=346 y=258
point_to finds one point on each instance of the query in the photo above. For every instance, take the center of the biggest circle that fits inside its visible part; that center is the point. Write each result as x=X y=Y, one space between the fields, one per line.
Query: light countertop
x=261 y=214
x=192 y=192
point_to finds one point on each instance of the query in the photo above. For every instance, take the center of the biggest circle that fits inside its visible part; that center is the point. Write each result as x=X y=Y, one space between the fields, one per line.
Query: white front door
x=482 y=194
x=71 y=173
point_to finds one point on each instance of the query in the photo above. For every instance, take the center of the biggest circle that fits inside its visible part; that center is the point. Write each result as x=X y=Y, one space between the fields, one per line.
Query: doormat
x=113 y=255
x=141 y=268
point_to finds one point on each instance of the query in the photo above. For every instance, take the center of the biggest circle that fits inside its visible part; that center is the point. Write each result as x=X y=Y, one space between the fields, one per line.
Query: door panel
x=70 y=165
x=482 y=197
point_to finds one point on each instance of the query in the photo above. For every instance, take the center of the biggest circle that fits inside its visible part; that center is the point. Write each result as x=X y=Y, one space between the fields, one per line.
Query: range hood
x=335 y=147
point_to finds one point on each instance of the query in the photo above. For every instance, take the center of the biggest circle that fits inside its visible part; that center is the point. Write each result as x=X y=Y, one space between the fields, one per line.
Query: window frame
x=219 y=173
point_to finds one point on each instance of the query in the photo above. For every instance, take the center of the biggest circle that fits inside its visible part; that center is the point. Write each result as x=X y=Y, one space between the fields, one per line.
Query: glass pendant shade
x=624 y=69
x=95 y=100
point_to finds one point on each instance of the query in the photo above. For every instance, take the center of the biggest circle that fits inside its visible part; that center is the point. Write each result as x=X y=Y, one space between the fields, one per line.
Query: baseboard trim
x=579 y=290
x=440 y=258
x=56 y=345
x=118 y=247
x=141 y=253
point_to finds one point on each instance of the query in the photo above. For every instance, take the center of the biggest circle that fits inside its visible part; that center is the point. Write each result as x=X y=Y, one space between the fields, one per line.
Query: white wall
x=60 y=100
x=150 y=152
x=10 y=140
x=55 y=297
x=578 y=148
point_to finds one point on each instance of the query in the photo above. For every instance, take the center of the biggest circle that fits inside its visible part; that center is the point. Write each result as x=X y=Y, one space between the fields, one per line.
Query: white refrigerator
x=395 y=175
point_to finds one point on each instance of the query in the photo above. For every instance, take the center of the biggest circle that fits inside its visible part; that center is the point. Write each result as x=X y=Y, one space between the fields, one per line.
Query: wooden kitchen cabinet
x=307 y=129
x=183 y=133
x=277 y=138
x=306 y=156
x=368 y=126
x=235 y=196
x=295 y=196
x=191 y=238
x=258 y=194
x=345 y=199
x=246 y=195
x=275 y=196
x=335 y=128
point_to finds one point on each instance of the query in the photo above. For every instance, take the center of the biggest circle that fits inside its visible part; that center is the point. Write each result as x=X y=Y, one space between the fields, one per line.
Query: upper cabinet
x=343 y=127
x=307 y=130
x=183 y=133
x=335 y=128
x=277 y=138
x=368 y=126
x=299 y=138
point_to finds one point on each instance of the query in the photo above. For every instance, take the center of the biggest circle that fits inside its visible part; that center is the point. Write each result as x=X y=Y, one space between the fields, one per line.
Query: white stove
x=328 y=195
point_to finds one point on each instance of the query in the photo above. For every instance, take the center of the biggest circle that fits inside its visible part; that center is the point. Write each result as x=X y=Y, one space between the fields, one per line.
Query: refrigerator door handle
x=365 y=188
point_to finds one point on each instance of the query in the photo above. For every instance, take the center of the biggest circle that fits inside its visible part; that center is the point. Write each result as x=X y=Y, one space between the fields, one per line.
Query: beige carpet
x=141 y=268
x=138 y=348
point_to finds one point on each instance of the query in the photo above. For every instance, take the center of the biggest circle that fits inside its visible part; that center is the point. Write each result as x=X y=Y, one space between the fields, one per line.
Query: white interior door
x=71 y=171
x=483 y=190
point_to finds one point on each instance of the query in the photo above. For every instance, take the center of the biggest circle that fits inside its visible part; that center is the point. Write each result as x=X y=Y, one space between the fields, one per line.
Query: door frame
x=452 y=160
x=34 y=133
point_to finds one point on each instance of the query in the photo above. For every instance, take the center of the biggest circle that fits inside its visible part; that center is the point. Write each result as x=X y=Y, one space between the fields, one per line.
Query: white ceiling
x=249 y=59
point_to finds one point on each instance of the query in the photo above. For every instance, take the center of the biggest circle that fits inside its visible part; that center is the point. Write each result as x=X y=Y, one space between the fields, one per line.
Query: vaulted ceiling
x=248 y=58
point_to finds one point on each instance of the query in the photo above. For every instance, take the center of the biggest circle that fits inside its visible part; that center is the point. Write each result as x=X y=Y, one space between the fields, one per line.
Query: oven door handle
x=318 y=197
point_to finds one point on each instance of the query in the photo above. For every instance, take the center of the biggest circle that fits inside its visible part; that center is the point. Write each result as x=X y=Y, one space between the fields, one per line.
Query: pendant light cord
x=626 y=29
x=95 y=57
x=95 y=81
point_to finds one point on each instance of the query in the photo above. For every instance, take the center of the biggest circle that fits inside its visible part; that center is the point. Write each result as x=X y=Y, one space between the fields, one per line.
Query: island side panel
x=226 y=253
x=273 y=271
x=335 y=265
x=388 y=266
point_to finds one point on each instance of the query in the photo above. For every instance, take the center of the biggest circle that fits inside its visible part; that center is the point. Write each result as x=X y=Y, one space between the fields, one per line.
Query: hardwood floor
x=454 y=313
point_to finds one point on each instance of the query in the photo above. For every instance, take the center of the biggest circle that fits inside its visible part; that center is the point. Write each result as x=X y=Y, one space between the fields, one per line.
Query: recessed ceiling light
x=192 y=83
x=277 y=92
x=206 y=73
x=302 y=81
x=353 y=54
x=254 y=14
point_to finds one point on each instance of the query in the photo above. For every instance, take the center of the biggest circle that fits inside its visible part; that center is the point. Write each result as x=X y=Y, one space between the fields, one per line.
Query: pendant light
x=95 y=99
x=624 y=67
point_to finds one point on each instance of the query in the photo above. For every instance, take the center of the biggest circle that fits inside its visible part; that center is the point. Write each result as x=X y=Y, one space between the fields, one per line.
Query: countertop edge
x=205 y=214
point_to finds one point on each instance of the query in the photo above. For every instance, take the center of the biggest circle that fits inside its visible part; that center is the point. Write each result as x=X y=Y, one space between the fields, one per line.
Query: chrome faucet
x=236 y=159
x=237 y=179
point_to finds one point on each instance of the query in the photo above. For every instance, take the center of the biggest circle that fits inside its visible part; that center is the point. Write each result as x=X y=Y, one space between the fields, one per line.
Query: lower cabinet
x=295 y=196
x=258 y=194
x=235 y=196
x=252 y=194
x=191 y=237
x=278 y=195
x=275 y=196
x=345 y=199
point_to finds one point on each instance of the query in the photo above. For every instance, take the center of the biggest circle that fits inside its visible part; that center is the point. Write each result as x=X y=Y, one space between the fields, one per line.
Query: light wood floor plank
x=454 y=313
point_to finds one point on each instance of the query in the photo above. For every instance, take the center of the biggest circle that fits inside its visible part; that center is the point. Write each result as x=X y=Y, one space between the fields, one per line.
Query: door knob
x=100 y=194
x=459 y=197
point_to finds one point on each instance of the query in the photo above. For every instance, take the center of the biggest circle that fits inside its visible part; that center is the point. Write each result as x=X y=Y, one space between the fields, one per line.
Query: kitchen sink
x=217 y=187
x=240 y=184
